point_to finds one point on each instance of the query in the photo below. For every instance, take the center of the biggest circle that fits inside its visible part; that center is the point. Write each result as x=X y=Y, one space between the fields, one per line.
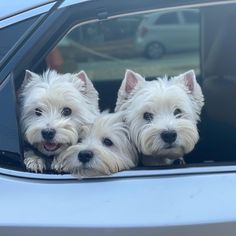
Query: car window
x=105 y=49
x=167 y=19
x=191 y=17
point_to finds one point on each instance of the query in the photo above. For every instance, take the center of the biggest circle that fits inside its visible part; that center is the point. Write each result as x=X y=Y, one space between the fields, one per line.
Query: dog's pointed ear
x=82 y=76
x=87 y=84
x=130 y=84
x=87 y=89
x=29 y=76
x=131 y=81
x=189 y=80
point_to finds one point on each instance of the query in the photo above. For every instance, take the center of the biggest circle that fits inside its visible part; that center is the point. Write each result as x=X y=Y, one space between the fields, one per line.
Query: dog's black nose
x=48 y=134
x=85 y=156
x=169 y=136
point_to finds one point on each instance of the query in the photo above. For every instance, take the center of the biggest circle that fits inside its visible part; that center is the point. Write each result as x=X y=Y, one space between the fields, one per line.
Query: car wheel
x=154 y=50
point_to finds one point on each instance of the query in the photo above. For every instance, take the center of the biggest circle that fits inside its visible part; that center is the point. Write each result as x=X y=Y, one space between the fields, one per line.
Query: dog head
x=105 y=148
x=162 y=114
x=54 y=106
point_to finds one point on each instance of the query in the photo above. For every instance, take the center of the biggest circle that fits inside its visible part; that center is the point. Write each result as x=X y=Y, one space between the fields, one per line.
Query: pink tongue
x=50 y=146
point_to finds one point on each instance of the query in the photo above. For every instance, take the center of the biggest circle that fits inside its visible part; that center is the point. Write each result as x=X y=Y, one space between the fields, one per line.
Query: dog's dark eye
x=38 y=112
x=177 y=113
x=148 y=116
x=79 y=140
x=107 y=142
x=66 y=111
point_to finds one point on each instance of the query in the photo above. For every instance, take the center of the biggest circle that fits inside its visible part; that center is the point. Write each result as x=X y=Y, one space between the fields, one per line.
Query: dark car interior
x=217 y=77
x=218 y=130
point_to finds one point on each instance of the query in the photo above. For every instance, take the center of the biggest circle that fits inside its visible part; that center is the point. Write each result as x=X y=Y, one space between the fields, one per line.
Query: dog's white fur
x=106 y=159
x=161 y=98
x=50 y=93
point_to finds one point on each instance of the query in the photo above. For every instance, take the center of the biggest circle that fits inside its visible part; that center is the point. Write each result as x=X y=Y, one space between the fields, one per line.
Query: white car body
x=193 y=201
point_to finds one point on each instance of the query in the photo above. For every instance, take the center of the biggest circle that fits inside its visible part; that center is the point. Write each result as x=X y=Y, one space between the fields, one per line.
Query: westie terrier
x=105 y=148
x=53 y=107
x=162 y=115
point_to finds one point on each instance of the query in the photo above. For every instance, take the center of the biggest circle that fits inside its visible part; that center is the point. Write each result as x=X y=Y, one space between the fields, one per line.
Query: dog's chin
x=172 y=152
x=87 y=171
x=162 y=157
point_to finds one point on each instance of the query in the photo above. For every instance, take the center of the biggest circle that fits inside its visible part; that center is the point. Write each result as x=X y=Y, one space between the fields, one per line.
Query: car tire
x=154 y=50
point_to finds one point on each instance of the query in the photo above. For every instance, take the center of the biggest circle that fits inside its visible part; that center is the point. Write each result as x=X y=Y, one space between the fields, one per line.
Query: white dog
x=105 y=148
x=162 y=115
x=53 y=107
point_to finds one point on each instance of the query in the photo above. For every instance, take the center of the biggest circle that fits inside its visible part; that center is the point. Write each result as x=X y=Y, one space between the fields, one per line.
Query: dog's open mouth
x=51 y=147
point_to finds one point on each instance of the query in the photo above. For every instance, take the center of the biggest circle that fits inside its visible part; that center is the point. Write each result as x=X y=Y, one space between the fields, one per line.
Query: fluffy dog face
x=162 y=114
x=53 y=107
x=104 y=149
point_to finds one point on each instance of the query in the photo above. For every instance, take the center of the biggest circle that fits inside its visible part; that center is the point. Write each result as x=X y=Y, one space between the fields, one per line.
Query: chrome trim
x=126 y=174
x=67 y=3
x=190 y=5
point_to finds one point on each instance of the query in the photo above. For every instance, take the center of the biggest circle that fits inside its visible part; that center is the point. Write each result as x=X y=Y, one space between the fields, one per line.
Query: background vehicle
x=114 y=36
x=196 y=199
x=166 y=32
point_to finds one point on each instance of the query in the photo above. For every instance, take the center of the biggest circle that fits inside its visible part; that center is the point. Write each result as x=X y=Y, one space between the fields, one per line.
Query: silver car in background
x=166 y=32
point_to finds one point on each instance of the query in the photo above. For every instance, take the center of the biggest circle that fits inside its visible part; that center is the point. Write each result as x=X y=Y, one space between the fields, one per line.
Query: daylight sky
x=9 y=7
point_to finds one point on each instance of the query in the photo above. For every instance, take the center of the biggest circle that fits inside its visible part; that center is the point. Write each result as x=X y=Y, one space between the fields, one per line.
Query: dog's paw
x=179 y=161
x=59 y=166
x=56 y=165
x=34 y=163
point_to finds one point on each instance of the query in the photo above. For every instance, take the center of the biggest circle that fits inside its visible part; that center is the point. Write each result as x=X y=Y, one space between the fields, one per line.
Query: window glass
x=105 y=49
x=166 y=19
x=191 y=17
